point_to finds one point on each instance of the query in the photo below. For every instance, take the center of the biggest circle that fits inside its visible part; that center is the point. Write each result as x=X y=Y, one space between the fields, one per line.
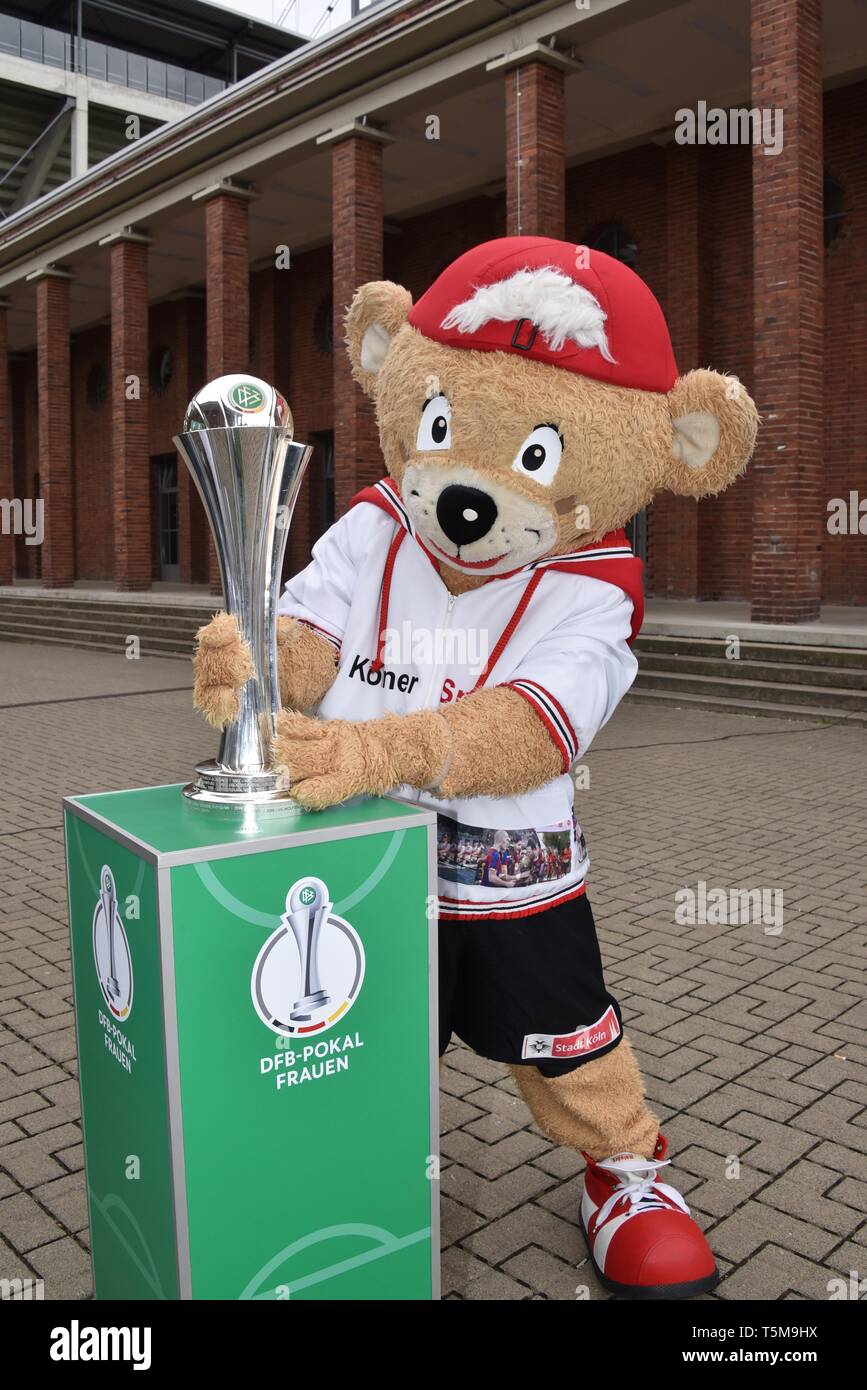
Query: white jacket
x=556 y=630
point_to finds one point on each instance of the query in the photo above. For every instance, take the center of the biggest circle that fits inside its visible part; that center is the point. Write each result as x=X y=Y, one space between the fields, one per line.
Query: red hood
x=610 y=559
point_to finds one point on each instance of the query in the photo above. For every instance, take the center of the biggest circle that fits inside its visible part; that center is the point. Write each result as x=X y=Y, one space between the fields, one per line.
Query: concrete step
x=767 y=709
x=805 y=696
x=39 y=606
x=102 y=631
x=163 y=629
x=108 y=623
x=73 y=637
x=768 y=678
x=848 y=677
x=781 y=652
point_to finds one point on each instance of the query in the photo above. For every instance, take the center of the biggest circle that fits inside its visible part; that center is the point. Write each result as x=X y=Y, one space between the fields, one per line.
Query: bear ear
x=376 y=313
x=713 y=432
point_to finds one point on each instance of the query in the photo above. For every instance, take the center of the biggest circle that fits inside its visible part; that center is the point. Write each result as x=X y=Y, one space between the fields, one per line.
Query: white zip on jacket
x=556 y=630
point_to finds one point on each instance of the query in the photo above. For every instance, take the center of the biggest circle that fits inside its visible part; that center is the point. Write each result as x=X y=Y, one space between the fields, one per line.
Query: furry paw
x=306 y=664
x=321 y=760
x=222 y=666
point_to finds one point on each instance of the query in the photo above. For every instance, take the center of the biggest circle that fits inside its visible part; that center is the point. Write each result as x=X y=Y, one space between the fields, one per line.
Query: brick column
x=23 y=425
x=535 y=141
x=55 y=426
x=183 y=390
x=356 y=212
x=130 y=423
x=227 y=290
x=788 y=503
x=227 y=276
x=7 y=486
x=674 y=531
x=264 y=289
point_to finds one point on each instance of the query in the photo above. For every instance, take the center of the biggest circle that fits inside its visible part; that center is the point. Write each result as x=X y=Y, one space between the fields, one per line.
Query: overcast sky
x=304 y=16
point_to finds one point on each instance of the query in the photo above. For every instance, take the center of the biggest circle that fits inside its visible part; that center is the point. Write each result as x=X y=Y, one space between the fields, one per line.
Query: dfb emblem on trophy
x=309 y=972
x=111 y=951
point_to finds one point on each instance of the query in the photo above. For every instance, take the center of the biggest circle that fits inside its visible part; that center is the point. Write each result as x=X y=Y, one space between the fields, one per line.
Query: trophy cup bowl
x=237 y=443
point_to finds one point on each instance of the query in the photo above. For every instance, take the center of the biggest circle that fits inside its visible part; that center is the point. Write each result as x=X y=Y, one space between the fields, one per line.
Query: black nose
x=465 y=514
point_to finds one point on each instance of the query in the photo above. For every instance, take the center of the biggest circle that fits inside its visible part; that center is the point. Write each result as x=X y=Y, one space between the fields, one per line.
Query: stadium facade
x=717 y=147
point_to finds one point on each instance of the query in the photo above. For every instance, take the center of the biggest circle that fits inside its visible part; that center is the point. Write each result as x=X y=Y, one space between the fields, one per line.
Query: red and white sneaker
x=642 y=1240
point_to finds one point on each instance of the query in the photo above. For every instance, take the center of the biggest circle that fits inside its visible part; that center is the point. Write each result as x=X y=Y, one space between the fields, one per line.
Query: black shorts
x=528 y=991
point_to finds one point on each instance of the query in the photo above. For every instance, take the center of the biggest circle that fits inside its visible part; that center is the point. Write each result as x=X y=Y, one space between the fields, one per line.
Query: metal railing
x=22 y=39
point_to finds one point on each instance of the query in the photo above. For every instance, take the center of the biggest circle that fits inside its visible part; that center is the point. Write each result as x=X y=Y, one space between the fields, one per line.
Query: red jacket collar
x=610 y=559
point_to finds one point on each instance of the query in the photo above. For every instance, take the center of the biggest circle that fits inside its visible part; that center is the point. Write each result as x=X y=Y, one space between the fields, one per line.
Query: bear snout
x=465 y=514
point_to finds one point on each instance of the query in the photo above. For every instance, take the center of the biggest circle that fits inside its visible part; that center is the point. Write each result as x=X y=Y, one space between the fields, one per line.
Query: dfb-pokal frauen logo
x=111 y=951
x=309 y=972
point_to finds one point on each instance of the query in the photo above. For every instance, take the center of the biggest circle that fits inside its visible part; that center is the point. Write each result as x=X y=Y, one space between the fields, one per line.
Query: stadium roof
x=196 y=35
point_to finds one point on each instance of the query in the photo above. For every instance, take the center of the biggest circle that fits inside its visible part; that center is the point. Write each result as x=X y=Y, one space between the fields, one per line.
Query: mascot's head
x=529 y=403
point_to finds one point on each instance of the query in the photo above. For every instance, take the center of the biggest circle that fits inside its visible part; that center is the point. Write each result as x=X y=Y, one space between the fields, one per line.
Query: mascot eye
x=539 y=455
x=435 y=426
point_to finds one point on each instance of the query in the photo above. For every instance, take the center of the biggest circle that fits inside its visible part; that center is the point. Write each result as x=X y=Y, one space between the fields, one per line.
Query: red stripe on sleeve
x=565 y=753
x=559 y=708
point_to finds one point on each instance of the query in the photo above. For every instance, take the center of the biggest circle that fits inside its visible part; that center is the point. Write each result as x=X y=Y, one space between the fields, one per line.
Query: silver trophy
x=307 y=909
x=238 y=446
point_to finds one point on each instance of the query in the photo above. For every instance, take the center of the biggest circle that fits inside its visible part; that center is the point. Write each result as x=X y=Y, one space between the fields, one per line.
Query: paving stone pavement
x=751 y=1039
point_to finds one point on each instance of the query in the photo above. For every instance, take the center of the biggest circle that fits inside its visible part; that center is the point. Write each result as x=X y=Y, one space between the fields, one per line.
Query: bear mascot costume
x=461 y=634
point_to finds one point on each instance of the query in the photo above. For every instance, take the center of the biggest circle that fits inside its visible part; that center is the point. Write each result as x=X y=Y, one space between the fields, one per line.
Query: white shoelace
x=637 y=1183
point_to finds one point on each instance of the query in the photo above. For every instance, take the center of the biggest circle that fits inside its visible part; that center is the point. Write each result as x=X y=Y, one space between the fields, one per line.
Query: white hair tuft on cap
x=558 y=307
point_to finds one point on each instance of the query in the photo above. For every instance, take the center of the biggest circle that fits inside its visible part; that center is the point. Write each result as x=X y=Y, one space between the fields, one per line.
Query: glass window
x=322 y=481
x=167 y=490
x=834 y=210
x=614 y=239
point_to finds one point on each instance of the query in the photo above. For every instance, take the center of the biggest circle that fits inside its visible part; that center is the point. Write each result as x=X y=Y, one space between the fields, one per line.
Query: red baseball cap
x=553 y=302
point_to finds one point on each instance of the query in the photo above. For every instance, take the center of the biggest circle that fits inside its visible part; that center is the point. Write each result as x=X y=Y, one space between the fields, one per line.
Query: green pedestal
x=245 y=1135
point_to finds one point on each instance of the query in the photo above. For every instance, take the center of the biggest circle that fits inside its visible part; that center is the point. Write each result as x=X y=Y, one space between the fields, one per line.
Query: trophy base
x=219 y=786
